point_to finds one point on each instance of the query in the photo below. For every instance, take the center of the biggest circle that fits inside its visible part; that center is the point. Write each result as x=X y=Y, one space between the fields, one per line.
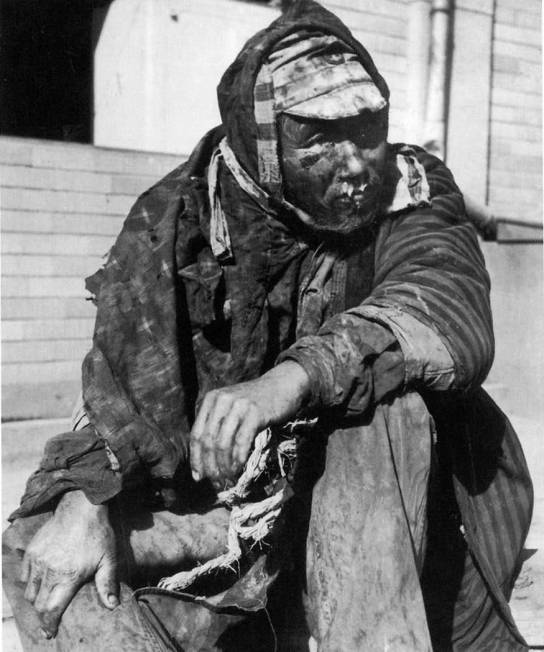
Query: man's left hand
x=230 y=418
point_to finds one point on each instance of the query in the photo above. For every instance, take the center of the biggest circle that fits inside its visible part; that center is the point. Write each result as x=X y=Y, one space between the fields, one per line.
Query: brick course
x=515 y=162
x=62 y=206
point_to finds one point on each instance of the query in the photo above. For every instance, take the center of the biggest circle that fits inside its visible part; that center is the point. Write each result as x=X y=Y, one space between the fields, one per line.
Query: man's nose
x=352 y=162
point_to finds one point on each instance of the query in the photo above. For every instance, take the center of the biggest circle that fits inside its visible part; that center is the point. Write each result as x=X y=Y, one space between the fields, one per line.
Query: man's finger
x=196 y=460
x=25 y=568
x=218 y=413
x=196 y=454
x=197 y=435
x=59 y=598
x=49 y=580
x=106 y=582
x=225 y=442
x=244 y=440
x=34 y=582
x=209 y=462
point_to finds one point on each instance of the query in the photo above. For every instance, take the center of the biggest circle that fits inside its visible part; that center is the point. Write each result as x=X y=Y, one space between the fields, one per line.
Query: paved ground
x=22 y=443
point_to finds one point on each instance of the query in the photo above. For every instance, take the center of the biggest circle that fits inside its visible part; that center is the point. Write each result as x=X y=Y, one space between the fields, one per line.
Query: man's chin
x=344 y=224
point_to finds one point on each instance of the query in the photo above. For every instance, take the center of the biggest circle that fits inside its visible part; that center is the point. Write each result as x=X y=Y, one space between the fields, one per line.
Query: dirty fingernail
x=113 y=600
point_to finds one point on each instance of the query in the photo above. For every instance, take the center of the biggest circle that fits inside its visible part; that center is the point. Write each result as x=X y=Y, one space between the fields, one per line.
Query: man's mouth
x=358 y=197
x=343 y=202
x=357 y=201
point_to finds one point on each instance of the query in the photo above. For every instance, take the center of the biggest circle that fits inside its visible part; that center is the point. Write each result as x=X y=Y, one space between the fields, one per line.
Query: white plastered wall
x=157 y=65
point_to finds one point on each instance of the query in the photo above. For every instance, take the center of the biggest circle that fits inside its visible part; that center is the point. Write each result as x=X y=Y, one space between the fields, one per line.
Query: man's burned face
x=333 y=169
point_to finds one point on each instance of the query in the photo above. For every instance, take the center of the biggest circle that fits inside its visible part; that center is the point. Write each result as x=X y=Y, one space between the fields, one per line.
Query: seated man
x=296 y=265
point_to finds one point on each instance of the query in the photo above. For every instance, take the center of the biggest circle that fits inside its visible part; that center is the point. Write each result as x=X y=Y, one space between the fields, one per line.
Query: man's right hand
x=76 y=544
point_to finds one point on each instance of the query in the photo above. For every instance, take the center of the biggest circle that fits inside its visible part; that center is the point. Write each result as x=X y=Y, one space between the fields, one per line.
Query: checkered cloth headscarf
x=302 y=71
x=267 y=136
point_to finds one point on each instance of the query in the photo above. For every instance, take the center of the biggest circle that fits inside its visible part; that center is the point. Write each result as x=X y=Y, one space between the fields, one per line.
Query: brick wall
x=149 y=85
x=515 y=191
x=62 y=205
x=517 y=290
x=381 y=26
x=515 y=171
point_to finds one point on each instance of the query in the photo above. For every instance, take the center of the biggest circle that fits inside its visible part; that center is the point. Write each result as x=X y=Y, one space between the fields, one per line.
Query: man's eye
x=310 y=137
x=309 y=160
x=362 y=138
x=367 y=139
x=361 y=133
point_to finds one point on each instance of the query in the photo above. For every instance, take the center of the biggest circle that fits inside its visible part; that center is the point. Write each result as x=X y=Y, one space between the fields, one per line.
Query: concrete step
x=10 y=637
x=22 y=446
x=527 y=602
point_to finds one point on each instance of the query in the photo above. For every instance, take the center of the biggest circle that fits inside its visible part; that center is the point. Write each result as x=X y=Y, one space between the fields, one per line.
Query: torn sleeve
x=71 y=461
x=351 y=362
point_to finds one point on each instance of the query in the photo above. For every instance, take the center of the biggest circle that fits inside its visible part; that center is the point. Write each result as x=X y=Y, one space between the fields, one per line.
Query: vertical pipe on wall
x=490 y=103
x=419 y=43
x=437 y=94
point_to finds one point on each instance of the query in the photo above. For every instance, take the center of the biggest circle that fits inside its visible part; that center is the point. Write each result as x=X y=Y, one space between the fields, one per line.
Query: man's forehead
x=321 y=77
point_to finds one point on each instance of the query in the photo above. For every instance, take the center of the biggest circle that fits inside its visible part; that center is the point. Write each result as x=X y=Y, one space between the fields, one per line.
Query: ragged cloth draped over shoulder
x=206 y=287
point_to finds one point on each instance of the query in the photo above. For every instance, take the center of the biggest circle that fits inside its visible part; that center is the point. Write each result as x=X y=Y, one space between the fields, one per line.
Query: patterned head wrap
x=321 y=77
x=313 y=76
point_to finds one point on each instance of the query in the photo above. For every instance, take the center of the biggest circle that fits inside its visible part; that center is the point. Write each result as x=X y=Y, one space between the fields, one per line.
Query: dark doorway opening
x=46 y=69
